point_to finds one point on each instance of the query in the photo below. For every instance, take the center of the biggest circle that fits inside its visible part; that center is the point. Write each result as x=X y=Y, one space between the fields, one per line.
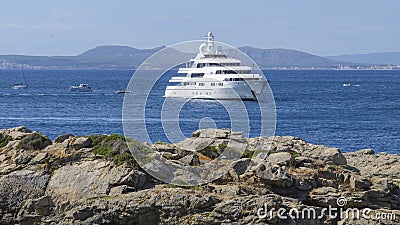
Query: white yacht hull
x=229 y=91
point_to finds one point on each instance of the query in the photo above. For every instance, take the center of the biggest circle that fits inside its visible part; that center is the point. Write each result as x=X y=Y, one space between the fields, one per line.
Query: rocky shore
x=277 y=180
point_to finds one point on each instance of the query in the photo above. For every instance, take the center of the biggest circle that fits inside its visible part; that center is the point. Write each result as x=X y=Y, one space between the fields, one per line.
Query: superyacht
x=213 y=74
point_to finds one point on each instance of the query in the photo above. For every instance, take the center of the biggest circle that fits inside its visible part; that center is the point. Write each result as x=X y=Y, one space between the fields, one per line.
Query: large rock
x=34 y=141
x=89 y=179
x=274 y=175
x=39 y=158
x=212 y=133
x=331 y=156
x=240 y=166
x=62 y=138
x=190 y=160
x=16 y=133
x=81 y=142
x=375 y=165
x=20 y=185
x=280 y=158
x=358 y=183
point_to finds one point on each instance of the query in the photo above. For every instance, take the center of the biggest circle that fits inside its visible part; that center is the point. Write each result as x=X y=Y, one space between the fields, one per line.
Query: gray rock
x=89 y=179
x=23 y=158
x=274 y=175
x=214 y=133
x=17 y=133
x=165 y=148
x=280 y=158
x=193 y=144
x=20 y=185
x=119 y=190
x=333 y=155
x=324 y=196
x=303 y=161
x=34 y=141
x=39 y=158
x=376 y=165
x=358 y=183
x=81 y=142
x=367 y=151
x=240 y=166
x=62 y=138
x=3 y=157
x=190 y=160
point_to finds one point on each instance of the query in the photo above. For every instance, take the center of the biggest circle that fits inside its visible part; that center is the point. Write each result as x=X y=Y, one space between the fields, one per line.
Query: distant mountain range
x=125 y=57
x=382 y=58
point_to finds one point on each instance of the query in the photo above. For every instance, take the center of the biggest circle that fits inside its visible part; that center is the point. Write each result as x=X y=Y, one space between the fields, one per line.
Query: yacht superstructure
x=213 y=74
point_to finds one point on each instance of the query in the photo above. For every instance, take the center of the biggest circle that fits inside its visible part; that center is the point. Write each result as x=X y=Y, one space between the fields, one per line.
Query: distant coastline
x=128 y=58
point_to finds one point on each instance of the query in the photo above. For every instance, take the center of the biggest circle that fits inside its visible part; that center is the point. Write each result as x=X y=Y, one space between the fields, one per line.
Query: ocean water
x=312 y=105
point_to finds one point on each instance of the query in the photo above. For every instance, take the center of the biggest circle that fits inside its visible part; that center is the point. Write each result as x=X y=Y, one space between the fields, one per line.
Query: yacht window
x=197 y=74
x=212 y=84
x=185 y=83
x=200 y=65
x=201 y=84
x=220 y=84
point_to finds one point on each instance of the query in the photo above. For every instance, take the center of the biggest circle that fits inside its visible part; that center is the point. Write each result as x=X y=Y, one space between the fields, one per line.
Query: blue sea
x=312 y=105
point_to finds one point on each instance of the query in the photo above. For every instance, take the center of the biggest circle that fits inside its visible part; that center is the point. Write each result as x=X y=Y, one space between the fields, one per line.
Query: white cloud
x=49 y=26
x=15 y=25
x=167 y=17
x=160 y=17
x=64 y=14
x=62 y=26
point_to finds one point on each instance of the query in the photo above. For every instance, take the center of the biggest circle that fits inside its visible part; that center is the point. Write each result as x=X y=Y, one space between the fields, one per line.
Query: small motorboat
x=19 y=86
x=122 y=91
x=81 y=88
x=347 y=85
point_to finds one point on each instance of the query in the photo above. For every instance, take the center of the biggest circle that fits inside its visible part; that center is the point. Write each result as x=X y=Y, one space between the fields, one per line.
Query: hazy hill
x=101 y=57
x=270 y=58
x=125 y=57
x=383 y=58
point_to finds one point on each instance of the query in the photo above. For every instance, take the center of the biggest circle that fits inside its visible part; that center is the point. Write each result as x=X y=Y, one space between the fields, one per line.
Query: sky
x=70 y=27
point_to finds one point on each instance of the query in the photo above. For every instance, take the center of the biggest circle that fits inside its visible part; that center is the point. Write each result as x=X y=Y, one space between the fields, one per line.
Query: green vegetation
x=114 y=148
x=113 y=137
x=222 y=147
x=101 y=139
x=4 y=139
x=126 y=158
x=294 y=154
x=210 y=151
x=160 y=143
x=34 y=141
x=247 y=154
x=104 y=151
x=142 y=152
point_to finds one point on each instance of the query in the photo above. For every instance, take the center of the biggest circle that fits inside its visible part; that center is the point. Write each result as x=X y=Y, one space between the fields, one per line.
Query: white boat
x=213 y=74
x=81 y=88
x=19 y=86
x=347 y=85
x=122 y=91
